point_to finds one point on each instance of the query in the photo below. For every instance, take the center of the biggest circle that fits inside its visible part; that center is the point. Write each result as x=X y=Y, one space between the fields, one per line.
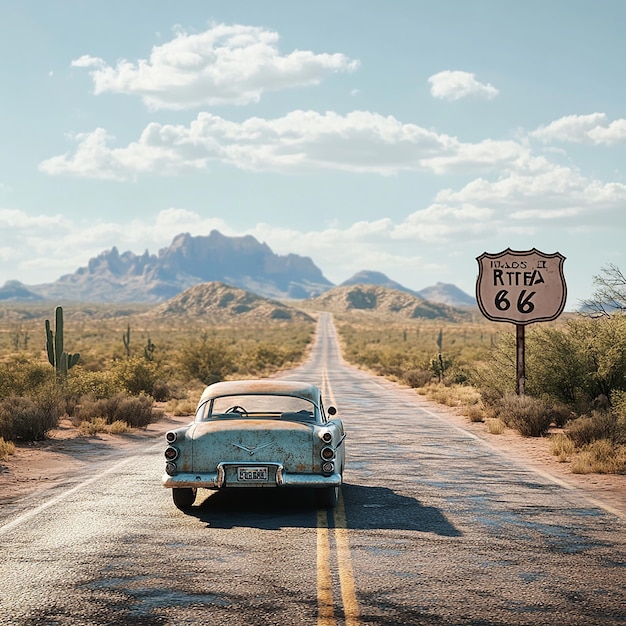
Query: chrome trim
x=176 y=450
x=210 y=480
x=329 y=458
x=251 y=449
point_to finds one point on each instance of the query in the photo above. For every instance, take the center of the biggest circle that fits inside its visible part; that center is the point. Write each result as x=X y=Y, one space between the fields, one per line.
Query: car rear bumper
x=277 y=478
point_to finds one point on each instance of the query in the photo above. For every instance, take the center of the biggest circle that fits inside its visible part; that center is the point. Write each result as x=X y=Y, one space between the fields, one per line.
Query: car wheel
x=184 y=497
x=327 y=497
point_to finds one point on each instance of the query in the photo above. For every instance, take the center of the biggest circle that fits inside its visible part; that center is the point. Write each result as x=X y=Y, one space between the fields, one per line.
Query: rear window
x=273 y=407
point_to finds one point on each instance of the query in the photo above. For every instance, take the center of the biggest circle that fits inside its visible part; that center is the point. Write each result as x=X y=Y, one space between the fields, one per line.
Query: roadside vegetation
x=131 y=360
x=128 y=361
x=576 y=374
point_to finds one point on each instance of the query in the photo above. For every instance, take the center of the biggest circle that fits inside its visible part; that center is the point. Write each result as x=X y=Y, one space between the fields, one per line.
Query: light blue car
x=257 y=433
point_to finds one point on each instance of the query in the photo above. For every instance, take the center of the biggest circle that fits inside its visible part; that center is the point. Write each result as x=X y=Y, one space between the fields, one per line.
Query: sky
x=406 y=137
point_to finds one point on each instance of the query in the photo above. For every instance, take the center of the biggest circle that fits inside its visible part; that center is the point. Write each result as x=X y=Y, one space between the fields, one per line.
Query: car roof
x=268 y=387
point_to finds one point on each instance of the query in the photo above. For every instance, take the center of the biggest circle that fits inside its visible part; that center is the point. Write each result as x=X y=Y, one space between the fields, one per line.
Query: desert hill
x=440 y=293
x=375 y=300
x=219 y=303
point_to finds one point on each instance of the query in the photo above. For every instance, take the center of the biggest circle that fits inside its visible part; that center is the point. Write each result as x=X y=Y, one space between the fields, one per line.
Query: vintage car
x=257 y=433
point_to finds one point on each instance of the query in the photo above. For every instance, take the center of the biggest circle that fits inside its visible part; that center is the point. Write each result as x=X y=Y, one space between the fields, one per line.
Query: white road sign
x=521 y=287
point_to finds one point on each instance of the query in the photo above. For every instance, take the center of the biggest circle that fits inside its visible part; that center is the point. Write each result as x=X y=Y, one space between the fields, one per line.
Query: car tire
x=327 y=497
x=184 y=497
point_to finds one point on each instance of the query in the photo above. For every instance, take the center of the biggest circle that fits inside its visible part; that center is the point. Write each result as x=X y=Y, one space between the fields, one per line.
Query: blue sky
x=406 y=137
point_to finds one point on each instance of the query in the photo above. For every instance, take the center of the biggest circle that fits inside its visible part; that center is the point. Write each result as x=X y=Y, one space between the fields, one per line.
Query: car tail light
x=327 y=436
x=171 y=453
x=327 y=453
x=171 y=468
x=171 y=436
x=328 y=467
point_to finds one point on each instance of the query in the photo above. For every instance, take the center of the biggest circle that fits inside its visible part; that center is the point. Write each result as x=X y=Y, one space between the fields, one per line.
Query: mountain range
x=241 y=262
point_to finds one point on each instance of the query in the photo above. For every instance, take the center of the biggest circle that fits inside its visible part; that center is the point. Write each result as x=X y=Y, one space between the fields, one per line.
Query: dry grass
x=529 y=416
x=562 y=447
x=119 y=427
x=6 y=448
x=94 y=426
x=475 y=412
x=495 y=426
x=99 y=425
x=181 y=407
x=452 y=395
x=600 y=457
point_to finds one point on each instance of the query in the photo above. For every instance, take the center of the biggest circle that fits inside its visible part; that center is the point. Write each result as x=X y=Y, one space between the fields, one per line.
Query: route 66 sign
x=521 y=287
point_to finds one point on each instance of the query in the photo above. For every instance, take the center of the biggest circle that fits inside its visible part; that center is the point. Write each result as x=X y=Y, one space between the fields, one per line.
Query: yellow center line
x=346 y=576
x=325 y=613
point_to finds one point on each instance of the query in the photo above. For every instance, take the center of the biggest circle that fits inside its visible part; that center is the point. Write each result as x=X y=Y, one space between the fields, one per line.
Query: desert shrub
x=93 y=426
x=416 y=377
x=600 y=425
x=136 y=411
x=135 y=375
x=580 y=361
x=6 y=449
x=23 y=418
x=181 y=407
x=618 y=400
x=208 y=360
x=161 y=391
x=475 y=412
x=97 y=384
x=562 y=447
x=495 y=426
x=453 y=395
x=572 y=363
x=118 y=427
x=529 y=416
x=265 y=355
x=560 y=414
x=600 y=457
x=22 y=378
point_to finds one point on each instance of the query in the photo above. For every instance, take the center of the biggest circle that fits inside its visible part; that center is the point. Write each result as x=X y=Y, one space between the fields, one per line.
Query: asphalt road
x=433 y=527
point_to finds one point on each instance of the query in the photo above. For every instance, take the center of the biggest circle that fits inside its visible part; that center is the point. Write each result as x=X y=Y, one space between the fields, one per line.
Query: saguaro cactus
x=148 y=350
x=58 y=358
x=126 y=340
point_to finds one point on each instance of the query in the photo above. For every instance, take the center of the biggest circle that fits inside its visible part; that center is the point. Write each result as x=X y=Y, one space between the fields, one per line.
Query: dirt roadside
x=38 y=466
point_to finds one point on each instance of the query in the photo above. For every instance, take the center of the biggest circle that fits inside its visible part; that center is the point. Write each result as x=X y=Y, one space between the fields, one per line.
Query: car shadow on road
x=362 y=508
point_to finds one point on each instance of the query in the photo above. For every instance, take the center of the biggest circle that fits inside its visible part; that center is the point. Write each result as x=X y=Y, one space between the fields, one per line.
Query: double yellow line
x=325 y=604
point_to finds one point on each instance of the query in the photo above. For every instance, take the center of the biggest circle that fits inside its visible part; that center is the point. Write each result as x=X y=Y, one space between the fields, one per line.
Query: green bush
x=161 y=391
x=136 y=411
x=26 y=419
x=417 y=378
x=22 y=378
x=530 y=416
x=587 y=429
x=208 y=360
x=98 y=384
x=135 y=375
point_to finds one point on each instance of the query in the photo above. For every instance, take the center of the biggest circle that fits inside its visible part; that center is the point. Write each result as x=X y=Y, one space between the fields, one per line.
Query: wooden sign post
x=521 y=288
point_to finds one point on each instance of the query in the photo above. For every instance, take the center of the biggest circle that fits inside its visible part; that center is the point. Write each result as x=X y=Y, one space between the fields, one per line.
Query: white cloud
x=223 y=65
x=359 y=142
x=540 y=186
x=454 y=85
x=592 y=128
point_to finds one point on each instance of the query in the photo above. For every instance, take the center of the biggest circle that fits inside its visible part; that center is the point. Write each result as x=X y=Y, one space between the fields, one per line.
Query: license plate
x=252 y=474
